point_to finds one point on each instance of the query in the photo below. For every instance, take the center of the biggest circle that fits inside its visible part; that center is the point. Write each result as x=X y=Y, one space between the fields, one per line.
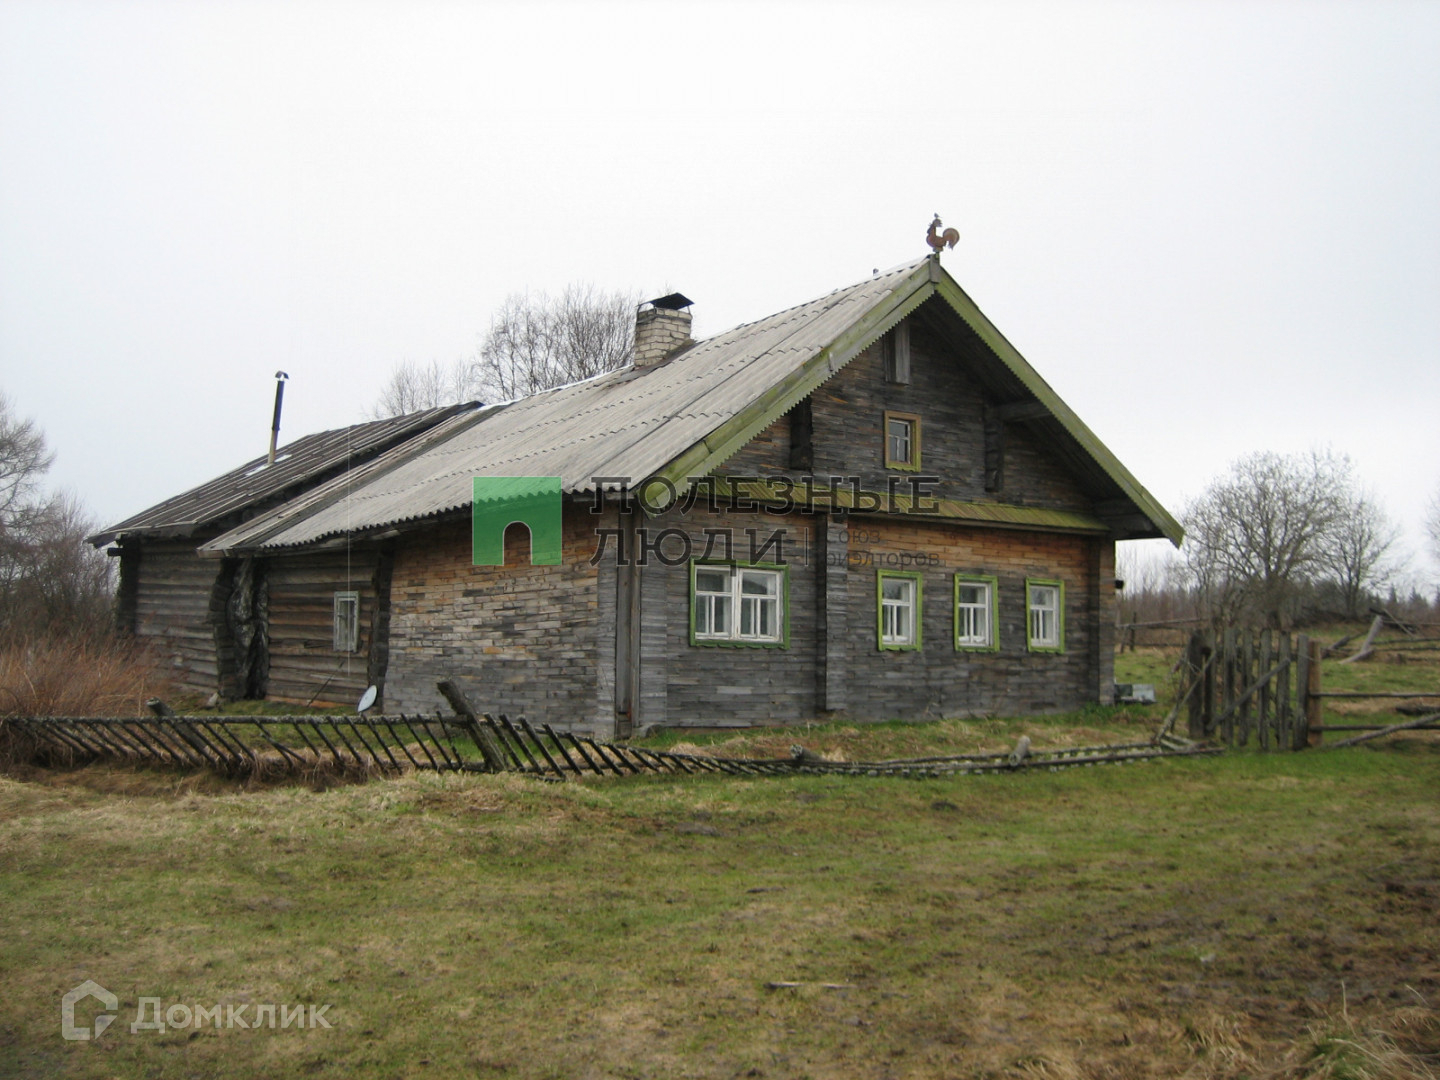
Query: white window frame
x=347 y=628
x=888 y=611
x=1045 y=615
x=971 y=612
x=736 y=608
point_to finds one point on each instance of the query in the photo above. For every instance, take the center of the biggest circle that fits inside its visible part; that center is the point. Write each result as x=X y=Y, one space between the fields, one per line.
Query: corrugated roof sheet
x=626 y=423
x=297 y=465
x=635 y=422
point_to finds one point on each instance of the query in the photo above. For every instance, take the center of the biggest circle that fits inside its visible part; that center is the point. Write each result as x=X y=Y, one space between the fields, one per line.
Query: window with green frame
x=897 y=609
x=1045 y=615
x=902 y=440
x=740 y=604
x=977 y=615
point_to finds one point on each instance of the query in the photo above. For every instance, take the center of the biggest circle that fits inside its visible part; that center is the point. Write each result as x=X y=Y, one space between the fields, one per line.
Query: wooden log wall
x=304 y=667
x=174 y=594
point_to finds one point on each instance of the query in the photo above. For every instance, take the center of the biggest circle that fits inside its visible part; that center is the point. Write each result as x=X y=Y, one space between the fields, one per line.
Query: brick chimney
x=662 y=328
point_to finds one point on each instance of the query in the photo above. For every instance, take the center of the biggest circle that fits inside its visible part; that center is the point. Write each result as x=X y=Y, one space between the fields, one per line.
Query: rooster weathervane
x=938 y=240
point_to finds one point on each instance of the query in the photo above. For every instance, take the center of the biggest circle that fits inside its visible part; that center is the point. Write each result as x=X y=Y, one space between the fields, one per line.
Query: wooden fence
x=261 y=746
x=362 y=746
x=1264 y=683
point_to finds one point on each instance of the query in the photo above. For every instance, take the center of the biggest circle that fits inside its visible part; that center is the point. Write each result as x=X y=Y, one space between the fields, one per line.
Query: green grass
x=1218 y=917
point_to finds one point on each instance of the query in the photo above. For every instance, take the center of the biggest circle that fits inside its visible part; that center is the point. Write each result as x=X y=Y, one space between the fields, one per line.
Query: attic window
x=902 y=441
x=895 y=347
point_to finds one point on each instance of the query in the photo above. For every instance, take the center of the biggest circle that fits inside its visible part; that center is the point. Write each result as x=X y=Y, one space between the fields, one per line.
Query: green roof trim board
x=780 y=497
x=956 y=297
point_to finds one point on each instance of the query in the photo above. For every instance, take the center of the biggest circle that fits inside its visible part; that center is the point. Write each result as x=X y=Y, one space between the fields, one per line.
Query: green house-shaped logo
x=500 y=501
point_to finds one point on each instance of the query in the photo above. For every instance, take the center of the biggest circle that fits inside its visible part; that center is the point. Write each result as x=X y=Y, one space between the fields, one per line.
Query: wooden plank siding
x=304 y=666
x=847 y=416
x=832 y=661
x=940 y=680
x=174 y=613
x=730 y=684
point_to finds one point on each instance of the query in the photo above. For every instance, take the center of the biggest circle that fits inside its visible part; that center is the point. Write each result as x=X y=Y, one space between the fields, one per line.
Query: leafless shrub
x=73 y=677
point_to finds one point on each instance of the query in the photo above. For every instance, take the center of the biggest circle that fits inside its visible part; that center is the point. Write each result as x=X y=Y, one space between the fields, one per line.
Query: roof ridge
x=897 y=269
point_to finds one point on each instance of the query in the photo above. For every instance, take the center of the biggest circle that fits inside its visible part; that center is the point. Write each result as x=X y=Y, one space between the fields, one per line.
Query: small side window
x=1045 y=615
x=347 y=621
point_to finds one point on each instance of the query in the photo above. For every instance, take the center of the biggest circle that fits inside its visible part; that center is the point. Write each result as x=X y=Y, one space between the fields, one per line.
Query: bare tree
x=1432 y=525
x=536 y=342
x=51 y=581
x=413 y=387
x=1257 y=535
x=1358 y=551
x=24 y=460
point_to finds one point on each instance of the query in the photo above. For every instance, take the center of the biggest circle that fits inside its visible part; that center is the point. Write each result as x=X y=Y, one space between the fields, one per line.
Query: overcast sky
x=1214 y=228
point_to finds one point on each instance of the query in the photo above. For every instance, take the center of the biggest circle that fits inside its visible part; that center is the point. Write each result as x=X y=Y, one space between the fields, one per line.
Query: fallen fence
x=264 y=746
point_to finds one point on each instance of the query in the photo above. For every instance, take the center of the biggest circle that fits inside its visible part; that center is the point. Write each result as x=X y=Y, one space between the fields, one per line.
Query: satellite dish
x=367 y=699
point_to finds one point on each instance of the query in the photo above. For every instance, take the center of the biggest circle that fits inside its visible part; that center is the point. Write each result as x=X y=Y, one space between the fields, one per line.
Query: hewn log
x=1021 y=752
x=484 y=741
x=1391 y=730
x=1367 y=646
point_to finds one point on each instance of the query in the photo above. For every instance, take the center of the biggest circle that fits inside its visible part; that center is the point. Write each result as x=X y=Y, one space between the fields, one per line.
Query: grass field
x=1248 y=915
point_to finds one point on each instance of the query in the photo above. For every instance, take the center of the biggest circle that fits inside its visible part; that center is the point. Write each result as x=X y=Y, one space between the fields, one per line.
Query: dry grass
x=69 y=677
x=59 y=677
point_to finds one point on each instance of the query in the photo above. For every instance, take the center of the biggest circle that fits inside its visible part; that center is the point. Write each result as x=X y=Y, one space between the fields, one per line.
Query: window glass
x=738 y=603
x=1045 y=615
x=974 y=613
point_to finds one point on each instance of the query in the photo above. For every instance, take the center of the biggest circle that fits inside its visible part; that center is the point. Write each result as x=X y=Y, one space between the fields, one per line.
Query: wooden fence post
x=1314 y=717
x=1262 y=707
x=1194 y=663
x=1283 y=714
x=484 y=740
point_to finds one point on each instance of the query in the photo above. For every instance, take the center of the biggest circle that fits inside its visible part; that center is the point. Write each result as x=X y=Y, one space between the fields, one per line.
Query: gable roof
x=686 y=416
x=301 y=463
